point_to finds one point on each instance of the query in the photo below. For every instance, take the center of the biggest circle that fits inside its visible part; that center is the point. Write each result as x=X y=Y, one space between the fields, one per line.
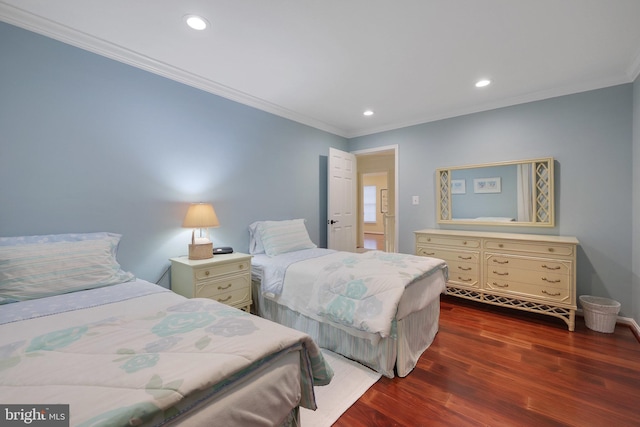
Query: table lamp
x=200 y=215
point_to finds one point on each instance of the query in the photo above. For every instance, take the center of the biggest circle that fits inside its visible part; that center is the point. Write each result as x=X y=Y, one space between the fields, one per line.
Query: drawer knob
x=428 y=239
x=550 y=249
x=464 y=242
x=240 y=266
x=206 y=273
x=550 y=294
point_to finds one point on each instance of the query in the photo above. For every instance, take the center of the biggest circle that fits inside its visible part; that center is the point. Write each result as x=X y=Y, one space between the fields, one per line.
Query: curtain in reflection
x=525 y=212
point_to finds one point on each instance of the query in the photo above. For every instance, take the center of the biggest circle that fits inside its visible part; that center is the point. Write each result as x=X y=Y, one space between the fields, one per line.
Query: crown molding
x=62 y=33
x=506 y=102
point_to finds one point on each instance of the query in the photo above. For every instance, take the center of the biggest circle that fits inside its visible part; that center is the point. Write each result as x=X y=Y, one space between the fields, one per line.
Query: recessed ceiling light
x=368 y=113
x=196 y=22
x=483 y=83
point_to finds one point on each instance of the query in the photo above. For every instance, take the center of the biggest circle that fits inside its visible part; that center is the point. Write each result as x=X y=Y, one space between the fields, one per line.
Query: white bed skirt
x=415 y=333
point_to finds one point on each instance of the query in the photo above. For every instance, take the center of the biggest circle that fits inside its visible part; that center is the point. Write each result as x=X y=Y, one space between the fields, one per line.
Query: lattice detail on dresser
x=566 y=314
x=464 y=293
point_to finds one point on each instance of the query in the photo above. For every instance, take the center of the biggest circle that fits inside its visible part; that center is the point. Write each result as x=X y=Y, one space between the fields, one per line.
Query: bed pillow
x=37 y=270
x=279 y=237
x=255 y=242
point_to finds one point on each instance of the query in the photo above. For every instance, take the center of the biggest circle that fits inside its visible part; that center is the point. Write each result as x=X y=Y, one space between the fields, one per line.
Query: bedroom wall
x=590 y=136
x=636 y=201
x=91 y=144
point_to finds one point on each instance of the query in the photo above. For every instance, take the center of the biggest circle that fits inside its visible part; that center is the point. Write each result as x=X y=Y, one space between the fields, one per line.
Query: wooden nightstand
x=224 y=278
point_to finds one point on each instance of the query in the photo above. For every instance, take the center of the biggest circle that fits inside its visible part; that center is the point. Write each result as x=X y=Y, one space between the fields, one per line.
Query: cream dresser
x=529 y=272
x=224 y=278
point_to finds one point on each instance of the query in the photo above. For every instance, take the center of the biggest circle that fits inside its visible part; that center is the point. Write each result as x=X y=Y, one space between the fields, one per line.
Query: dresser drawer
x=214 y=288
x=206 y=273
x=453 y=241
x=556 y=281
x=535 y=264
x=544 y=293
x=449 y=256
x=464 y=278
x=537 y=248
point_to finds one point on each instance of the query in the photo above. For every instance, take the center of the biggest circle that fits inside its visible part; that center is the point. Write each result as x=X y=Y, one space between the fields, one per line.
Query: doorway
x=377 y=168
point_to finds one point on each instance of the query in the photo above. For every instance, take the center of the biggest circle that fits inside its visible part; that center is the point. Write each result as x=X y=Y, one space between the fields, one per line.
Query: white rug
x=349 y=382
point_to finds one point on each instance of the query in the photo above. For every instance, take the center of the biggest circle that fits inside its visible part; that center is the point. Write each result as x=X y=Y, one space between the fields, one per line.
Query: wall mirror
x=516 y=193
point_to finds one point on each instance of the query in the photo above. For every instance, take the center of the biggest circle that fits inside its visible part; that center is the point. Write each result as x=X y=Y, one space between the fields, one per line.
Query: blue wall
x=90 y=144
x=590 y=136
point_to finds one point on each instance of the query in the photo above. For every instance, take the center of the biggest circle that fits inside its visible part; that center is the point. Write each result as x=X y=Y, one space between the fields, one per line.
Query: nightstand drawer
x=213 y=288
x=206 y=273
x=232 y=298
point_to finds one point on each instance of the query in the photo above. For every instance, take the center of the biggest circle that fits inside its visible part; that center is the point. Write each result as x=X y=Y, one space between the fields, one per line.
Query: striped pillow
x=279 y=237
x=39 y=270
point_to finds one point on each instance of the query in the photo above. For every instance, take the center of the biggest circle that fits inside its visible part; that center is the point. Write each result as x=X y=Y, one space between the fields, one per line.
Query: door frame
x=374 y=150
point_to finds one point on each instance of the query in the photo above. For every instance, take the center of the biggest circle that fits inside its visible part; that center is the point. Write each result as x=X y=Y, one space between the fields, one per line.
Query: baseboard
x=629 y=321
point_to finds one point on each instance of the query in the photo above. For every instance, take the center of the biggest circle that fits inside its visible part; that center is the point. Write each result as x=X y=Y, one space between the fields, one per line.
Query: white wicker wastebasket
x=600 y=314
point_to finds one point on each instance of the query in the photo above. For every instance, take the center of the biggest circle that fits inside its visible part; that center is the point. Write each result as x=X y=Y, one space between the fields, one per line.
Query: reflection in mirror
x=507 y=193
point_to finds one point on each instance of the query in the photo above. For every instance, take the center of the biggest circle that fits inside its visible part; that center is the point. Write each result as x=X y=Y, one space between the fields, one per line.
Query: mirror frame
x=543 y=196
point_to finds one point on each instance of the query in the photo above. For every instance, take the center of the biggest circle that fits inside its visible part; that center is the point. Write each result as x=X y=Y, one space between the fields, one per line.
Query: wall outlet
x=415 y=200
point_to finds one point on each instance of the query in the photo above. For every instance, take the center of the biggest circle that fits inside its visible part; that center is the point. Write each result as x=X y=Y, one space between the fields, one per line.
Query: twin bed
x=77 y=330
x=381 y=309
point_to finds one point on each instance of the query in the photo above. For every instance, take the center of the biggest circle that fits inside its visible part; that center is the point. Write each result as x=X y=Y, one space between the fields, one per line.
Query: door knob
x=333 y=221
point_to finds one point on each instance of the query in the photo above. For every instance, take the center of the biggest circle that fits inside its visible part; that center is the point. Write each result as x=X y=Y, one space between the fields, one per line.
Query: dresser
x=528 y=272
x=224 y=278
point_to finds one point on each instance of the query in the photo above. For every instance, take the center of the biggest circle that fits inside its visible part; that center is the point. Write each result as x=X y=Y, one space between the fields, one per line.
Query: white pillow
x=279 y=237
x=38 y=270
x=255 y=242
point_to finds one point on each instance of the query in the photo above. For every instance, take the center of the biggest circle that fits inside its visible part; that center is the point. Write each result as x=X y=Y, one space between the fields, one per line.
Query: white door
x=341 y=222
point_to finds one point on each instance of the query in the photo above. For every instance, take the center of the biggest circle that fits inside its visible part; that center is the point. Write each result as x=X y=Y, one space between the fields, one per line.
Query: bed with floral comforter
x=138 y=354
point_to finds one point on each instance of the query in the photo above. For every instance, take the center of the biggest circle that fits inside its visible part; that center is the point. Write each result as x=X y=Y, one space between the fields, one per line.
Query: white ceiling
x=323 y=62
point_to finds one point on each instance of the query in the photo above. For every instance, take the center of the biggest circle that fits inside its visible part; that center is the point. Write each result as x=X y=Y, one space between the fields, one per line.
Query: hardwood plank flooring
x=490 y=366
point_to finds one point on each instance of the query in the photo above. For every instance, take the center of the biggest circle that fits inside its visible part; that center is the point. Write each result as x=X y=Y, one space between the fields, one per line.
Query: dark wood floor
x=490 y=366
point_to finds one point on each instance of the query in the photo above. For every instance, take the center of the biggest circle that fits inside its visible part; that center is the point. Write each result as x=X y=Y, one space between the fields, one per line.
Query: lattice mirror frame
x=542 y=194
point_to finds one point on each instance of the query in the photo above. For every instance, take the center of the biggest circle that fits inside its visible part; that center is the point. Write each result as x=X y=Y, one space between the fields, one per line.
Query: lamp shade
x=200 y=215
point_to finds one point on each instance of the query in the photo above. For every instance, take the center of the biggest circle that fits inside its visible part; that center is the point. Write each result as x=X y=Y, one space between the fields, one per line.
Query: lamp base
x=201 y=251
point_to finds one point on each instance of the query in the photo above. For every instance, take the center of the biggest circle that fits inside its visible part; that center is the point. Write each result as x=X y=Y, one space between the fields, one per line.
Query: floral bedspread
x=137 y=360
x=363 y=291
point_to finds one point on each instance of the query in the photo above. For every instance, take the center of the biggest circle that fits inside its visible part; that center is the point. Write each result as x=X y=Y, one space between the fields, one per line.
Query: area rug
x=349 y=382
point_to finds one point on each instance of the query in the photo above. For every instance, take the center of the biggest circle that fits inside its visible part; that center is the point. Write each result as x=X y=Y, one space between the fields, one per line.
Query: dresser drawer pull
x=225 y=300
x=500 y=245
x=551 y=249
x=464 y=268
x=501 y=286
x=464 y=242
x=502 y=274
x=551 y=281
x=500 y=262
x=557 y=267
x=240 y=266
x=206 y=273
x=464 y=280
x=464 y=257
x=429 y=253
x=222 y=288
x=550 y=294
